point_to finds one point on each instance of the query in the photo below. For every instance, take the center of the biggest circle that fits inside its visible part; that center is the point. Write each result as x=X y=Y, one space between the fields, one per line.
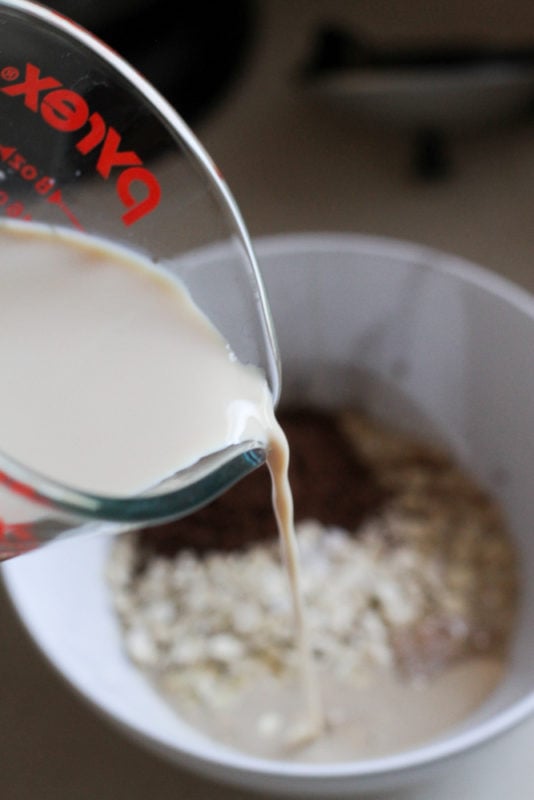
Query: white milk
x=113 y=380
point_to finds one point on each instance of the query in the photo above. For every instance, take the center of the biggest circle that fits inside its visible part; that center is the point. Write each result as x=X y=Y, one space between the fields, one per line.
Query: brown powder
x=330 y=482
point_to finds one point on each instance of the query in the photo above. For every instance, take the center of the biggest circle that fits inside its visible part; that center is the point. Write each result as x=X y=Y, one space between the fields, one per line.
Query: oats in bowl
x=410 y=588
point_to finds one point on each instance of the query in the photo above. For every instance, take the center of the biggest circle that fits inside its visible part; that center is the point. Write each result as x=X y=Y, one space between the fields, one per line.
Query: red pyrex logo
x=67 y=111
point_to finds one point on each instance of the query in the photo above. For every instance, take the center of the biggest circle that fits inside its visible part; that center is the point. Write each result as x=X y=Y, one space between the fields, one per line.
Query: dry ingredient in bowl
x=409 y=580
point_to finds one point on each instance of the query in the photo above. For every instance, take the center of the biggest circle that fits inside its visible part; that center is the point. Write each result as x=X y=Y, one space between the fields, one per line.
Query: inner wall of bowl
x=402 y=334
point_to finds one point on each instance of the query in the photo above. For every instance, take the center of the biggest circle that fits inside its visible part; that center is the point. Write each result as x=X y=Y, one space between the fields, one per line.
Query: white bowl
x=426 y=340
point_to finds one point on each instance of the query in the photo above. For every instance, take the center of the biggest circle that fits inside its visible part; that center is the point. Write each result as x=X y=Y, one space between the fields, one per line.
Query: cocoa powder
x=330 y=481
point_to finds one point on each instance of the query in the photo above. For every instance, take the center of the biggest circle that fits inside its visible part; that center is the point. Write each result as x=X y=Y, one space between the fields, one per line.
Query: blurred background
x=408 y=118
x=405 y=118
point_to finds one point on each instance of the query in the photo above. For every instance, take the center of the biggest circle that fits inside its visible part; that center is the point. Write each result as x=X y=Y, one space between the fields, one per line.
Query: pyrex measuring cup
x=87 y=144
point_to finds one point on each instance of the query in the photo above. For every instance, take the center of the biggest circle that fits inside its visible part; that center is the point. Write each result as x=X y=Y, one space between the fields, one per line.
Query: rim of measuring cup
x=209 y=482
x=247 y=456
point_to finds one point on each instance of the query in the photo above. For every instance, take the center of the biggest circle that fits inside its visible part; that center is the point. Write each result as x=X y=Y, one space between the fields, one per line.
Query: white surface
x=294 y=165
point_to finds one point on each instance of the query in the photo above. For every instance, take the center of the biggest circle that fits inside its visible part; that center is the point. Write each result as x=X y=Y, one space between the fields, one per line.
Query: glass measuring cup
x=87 y=144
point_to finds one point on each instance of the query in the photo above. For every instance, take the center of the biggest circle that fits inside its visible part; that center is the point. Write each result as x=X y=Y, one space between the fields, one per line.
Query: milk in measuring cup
x=113 y=380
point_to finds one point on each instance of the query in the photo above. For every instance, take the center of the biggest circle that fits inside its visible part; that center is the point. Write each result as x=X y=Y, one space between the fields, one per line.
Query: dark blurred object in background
x=191 y=52
x=431 y=91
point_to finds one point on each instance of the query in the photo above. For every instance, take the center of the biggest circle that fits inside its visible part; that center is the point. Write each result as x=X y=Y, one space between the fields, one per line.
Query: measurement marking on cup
x=43 y=185
x=15 y=539
x=13 y=208
x=27 y=171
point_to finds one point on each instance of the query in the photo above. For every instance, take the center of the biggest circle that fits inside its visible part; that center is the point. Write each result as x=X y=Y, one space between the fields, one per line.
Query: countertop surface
x=295 y=164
